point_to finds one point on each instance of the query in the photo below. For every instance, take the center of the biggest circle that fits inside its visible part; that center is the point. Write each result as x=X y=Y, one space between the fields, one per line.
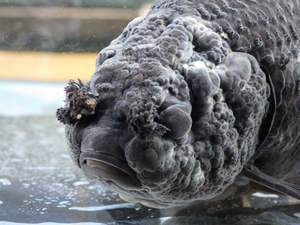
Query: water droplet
x=264 y=195
x=80 y=183
x=91 y=187
x=5 y=181
x=297 y=215
x=15 y=160
x=26 y=185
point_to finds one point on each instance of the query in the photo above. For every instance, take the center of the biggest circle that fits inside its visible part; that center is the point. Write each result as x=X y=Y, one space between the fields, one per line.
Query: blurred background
x=55 y=40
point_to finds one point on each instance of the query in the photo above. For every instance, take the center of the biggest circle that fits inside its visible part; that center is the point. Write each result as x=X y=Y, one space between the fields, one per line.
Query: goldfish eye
x=104 y=55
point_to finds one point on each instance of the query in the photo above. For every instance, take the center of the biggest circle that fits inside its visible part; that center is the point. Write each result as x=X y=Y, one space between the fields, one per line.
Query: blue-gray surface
x=39 y=183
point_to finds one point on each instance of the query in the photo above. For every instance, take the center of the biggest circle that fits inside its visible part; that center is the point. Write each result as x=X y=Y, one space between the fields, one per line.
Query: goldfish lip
x=108 y=168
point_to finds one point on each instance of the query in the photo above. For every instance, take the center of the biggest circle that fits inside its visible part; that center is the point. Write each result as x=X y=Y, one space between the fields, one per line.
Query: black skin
x=197 y=101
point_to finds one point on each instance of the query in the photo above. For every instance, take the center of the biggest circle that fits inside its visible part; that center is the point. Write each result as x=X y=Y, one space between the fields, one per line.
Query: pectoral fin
x=260 y=178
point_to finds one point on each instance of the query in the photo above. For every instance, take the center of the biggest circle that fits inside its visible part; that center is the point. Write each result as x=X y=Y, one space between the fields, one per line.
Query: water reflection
x=39 y=183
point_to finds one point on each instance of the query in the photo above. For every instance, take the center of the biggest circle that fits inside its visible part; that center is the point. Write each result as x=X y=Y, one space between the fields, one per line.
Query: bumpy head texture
x=177 y=104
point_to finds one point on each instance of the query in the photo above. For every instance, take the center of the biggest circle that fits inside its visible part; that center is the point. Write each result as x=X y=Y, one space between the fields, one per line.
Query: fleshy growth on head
x=80 y=102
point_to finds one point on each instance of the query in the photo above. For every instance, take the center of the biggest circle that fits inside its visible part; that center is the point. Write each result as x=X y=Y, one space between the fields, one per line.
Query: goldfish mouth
x=108 y=168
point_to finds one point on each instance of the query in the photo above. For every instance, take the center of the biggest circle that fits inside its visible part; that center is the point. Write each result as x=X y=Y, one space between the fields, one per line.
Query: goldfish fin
x=260 y=178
